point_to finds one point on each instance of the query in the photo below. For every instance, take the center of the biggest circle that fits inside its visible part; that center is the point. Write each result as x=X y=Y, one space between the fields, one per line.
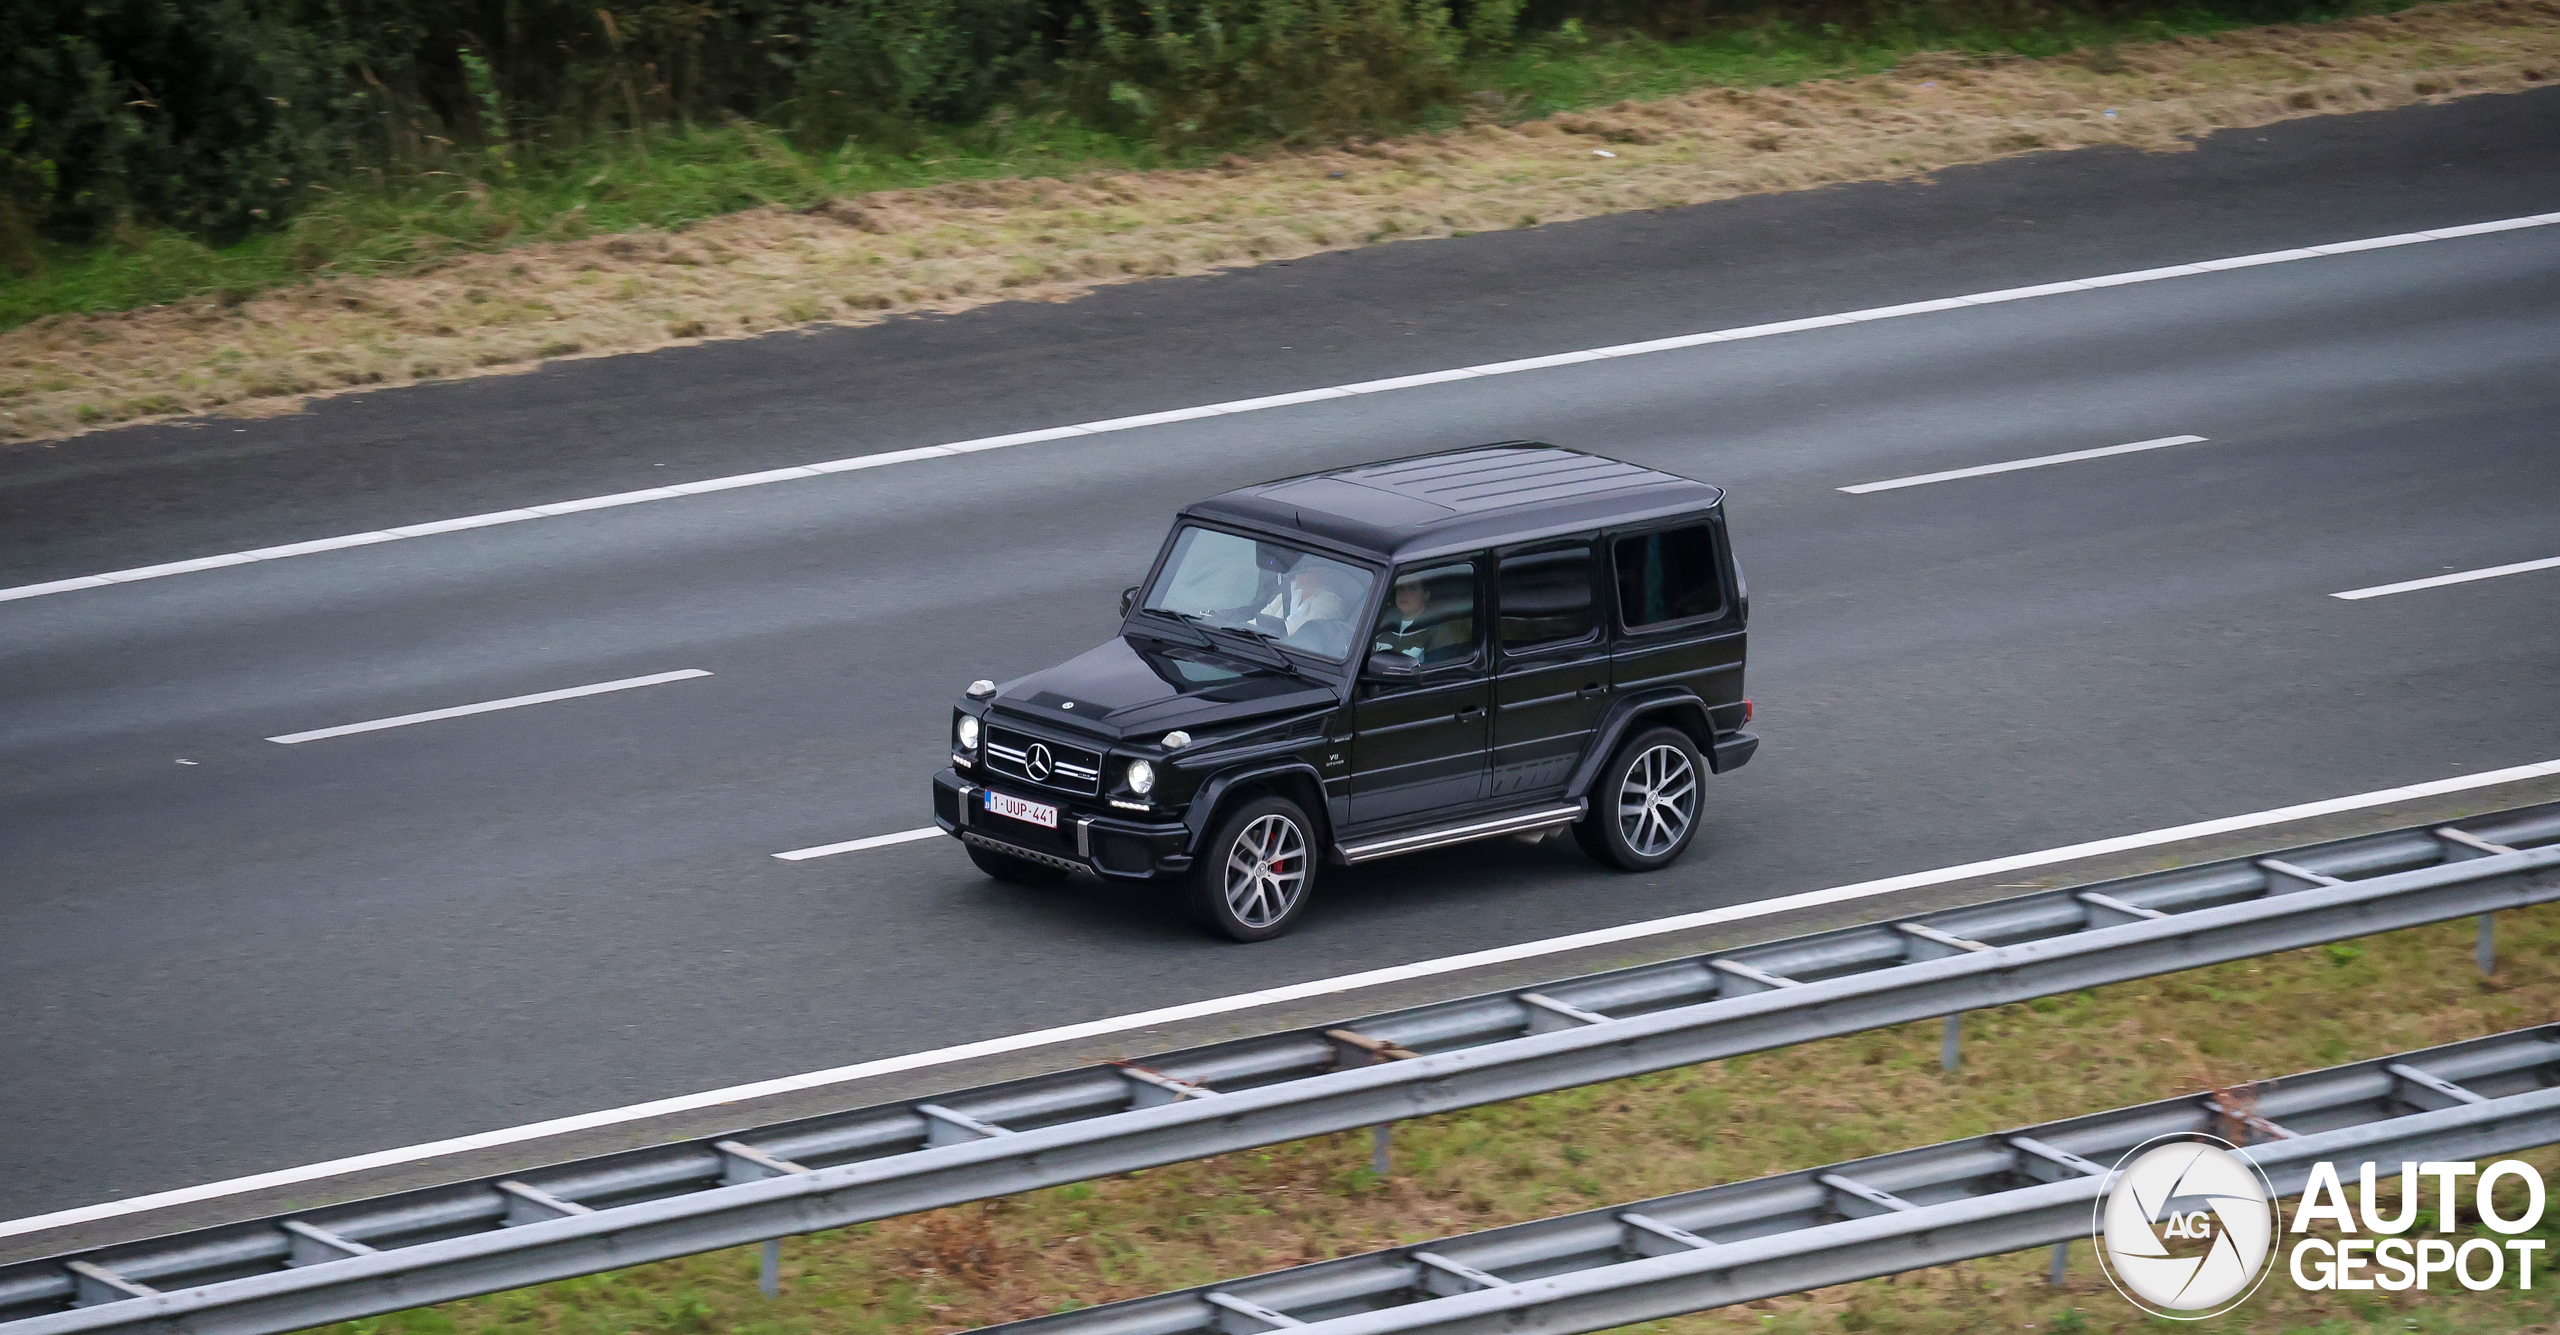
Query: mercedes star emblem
x=1037 y=764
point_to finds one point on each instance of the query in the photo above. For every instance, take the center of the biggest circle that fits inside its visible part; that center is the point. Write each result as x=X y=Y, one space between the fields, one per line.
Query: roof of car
x=1461 y=500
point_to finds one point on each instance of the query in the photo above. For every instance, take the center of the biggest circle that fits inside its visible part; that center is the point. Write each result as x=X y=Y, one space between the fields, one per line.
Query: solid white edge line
x=1270 y=401
x=489 y=706
x=857 y=845
x=1265 y=997
x=2437 y=581
x=1985 y=470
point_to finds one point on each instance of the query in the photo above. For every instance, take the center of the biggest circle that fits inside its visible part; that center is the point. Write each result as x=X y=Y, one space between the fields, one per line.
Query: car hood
x=1130 y=686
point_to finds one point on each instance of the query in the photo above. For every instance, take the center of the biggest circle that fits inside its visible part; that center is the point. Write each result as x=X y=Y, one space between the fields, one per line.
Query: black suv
x=1344 y=666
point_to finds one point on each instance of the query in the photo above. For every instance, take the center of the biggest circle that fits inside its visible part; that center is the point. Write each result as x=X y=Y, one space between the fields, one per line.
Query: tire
x=1013 y=870
x=1257 y=870
x=1626 y=827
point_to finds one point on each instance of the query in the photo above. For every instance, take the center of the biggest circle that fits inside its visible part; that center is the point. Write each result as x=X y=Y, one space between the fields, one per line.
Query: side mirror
x=1128 y=599
x=1394 y=667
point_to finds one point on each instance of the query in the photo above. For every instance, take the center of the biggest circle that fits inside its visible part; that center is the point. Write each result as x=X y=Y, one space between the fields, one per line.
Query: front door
x=1418 y=742
x=1552 y=682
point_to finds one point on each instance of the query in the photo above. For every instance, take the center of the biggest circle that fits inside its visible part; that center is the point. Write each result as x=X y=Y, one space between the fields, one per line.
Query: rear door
x=1552 y=679
x=1680 y=622
x=1418 y=742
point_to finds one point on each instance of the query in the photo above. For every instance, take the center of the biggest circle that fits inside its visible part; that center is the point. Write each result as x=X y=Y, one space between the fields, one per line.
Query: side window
x=1668 y=576
x=1430 y=616
x=1546 y=596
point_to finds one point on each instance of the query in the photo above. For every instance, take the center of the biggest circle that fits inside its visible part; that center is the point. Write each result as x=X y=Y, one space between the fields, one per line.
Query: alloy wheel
x=1266 y=871
x=1657 y=801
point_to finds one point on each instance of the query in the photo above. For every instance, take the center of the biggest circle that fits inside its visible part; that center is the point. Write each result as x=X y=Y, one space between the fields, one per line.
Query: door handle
x=1592 y=691
x=1471 y=713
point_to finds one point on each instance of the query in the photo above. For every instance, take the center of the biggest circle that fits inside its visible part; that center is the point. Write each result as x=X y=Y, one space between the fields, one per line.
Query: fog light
x=1142 y=777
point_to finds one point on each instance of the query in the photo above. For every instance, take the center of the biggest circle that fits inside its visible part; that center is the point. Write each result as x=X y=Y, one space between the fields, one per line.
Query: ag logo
x=2186 y=1227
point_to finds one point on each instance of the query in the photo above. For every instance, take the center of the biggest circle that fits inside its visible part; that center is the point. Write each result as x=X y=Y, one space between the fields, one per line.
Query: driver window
x=1430 y=616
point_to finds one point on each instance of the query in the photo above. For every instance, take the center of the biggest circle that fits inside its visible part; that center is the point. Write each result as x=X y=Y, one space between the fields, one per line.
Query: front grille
x=1071 y=768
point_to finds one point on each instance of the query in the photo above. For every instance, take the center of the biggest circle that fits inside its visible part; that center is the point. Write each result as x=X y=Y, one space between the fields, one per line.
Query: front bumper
x=1085 y=840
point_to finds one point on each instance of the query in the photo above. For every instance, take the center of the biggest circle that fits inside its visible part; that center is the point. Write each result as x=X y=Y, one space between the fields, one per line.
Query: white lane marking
x=1266 y=402
x=857 y=845
x=486 y=706
x=2437 y=581
x=1985 y=470
x=1193 y=1010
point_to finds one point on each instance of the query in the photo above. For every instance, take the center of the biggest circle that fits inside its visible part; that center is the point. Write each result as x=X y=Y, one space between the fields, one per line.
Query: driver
x=1314 y=609
x=1312 y=597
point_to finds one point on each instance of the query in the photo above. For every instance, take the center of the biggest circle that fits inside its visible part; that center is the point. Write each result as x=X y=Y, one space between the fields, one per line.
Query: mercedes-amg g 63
x=1330 y=669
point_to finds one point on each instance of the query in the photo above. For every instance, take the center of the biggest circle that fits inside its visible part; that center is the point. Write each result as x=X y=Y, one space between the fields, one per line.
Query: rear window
x=1668 y=576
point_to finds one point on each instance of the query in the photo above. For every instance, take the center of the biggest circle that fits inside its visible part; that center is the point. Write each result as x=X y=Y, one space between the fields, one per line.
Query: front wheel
x=1256 y=872
x=1644 y=807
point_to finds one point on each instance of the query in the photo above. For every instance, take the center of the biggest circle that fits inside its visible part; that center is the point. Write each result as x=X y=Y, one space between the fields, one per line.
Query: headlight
x=1142 y=777
x=967 y=733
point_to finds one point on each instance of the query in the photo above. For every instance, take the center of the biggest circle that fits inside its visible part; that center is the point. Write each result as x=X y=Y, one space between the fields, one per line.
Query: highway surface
x=221 y=955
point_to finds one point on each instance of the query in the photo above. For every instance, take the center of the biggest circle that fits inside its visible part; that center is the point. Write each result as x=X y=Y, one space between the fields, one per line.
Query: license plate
x=1038 y=813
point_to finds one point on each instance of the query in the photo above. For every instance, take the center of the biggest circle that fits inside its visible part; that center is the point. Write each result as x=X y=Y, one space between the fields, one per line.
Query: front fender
x=1205 y=805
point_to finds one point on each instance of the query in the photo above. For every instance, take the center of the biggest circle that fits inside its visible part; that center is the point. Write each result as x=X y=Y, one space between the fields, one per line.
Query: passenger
x=1412 y=629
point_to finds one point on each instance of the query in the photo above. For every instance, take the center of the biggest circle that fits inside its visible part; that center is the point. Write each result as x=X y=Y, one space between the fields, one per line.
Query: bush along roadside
x=155 y=150
x=812 y=252
x=1771 y=1112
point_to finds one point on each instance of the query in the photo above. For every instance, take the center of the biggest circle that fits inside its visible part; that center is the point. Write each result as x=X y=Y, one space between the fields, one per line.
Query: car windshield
x=1297 y=598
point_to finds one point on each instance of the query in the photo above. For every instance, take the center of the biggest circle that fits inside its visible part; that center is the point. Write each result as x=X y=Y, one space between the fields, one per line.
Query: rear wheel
x=1255 y=874
x=1012 y=870
x=1644 y=808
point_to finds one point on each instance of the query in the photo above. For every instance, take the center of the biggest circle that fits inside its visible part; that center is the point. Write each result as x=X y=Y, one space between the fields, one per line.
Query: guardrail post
x=1351 y=1045
x=2487 y=951
x=769 y=1275
x=1950 y=1047
x=2061 y=1262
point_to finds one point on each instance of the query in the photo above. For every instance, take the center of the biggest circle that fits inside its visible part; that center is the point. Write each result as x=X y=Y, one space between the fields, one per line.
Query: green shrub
x=211 y=116
x=882 y=66
x=1217 y=71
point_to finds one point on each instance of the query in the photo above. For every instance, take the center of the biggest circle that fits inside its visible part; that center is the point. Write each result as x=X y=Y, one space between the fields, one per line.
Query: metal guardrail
x=1966 y=1198
x=581 y=1217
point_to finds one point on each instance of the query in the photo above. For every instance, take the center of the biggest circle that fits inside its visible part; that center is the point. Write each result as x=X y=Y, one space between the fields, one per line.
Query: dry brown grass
x=1578 y=1149
x=950 y=247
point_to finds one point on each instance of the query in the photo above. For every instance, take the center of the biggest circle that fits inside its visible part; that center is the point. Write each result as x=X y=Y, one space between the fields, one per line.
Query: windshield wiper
x=1205 y=629
x=1183 y=619
x=1269 y=643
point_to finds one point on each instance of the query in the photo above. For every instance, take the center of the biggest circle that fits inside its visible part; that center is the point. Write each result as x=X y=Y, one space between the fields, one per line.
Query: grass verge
x=1723 y=1121
x=858 y=259
x=453 y=201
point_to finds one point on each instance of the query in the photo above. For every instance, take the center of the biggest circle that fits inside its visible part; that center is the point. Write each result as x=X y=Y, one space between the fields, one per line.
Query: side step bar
x=1520 y=822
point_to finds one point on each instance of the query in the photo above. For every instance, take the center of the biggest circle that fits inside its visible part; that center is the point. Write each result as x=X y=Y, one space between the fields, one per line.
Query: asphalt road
x=274 y=954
